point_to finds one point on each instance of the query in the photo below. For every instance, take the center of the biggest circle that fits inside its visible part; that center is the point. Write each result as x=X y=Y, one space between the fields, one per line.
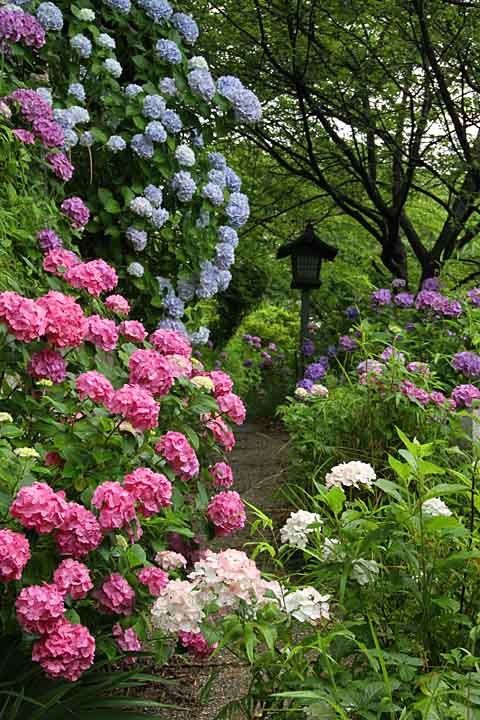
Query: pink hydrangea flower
x=61 y=165
x=136 y=405
x=116 y=595
x=25 y=319
x=102 y=333
x=151 y=490
x=76 y=210
x=414 y=393
x=49 y=132
x=25 y=136
x=464 y=395
x=169 y=560
x=117 y=304
x=47 y=364
x=14 y=555
x=115 y=505
x=222 y=382
x=66 y=324
x=154 y=579
x=438 y=398
x=227 y=512
x=38 y=507
x=127 y=640
x=151 y=370
x=221 y=432
x=180 y=366
x=73 y=578
x=232 y=405
x=222 y=474
x=132 y=330
x=79 y=533
x=58 y=260
x=197 y=644
x=95 y=386
x=66 y=651
x=95 y=276
x=177 y=451
x=39 y=608
x=170 y=342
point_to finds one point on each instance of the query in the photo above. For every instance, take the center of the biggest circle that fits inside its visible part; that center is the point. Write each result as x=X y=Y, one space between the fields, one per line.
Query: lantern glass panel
x=306 y=268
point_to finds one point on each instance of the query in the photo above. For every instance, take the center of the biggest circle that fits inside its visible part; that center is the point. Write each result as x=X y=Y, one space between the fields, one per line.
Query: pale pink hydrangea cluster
x=154 y=579
x=180 y=366
x=351 y=474
x=222 y=474
x=95 y=386
x=170 y=560
x=66 y=651
x=151 y=370
x=115 y=505
x=127 y=640
x=226 y=511
x=115 y=595
x=73 y=578
x=177 y=451
x=170 y=342
x=94 y=276
x=14 y=555
x=117 y=304
x=47 y=365
x=152 y=491
x=178 y=608
x=136 y=405
x=197 y=644
x=102 y=332
x=132 y=330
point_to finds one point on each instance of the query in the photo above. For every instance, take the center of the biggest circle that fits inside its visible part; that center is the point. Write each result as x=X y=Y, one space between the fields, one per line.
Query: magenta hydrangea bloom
x=196 y=644
x=116 y=596
x=25 y=136
x=221 y=432
x=117 y=304
x=467 y=363
x=404 y=299
x=132 y=330
x=170 y=342
x=25 y=318
x=474 y=296
x=347 y=343
x=177 y=451
x=127 y=640
x=137 y=405
x=381 y=297
x=150 y=370
x=412 y=392
x=73 y=578
x=232 y=406
x=152 y=491
x=61 y=165
x=154 y=579
x=79 y=533
x=95 y=386
x=39 y=608
x=17 y=26
x=222 y=474
x=115 y=505
x=49 y=365
x=102 y=333
x=66 y=325
x=95 y=276
x=14 y=555
x=222 y=383
x=66 y=651
x=227 y=512
x=76 y=210
x=38 y=507
x=464 y=395
x=49 y=132
x=58 y=261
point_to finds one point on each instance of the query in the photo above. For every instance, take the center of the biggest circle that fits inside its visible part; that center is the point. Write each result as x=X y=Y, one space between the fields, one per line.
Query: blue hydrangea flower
x=171 y=324
x=49 y=16
x=198 y=62
x=64 y=118
x=141 y=206
x=158 y=10
x=132 y=90
x=234 y=183
x=123 y=6
x=153 y=107
x=238 y=209
x=224 y=280
x=213 y=193
x=154 y=195
x=203 y=219
x=172 y=122
x=164 y=284
x=202 y=83
x=225 y=256
x=168 y=86
x=156 y=132
x=169 y=51
x=87 y=139
x=116 y=143
x=113 y=67
x=79 y=115
x=217 y=161
x=208 y=286
x=185 y=156
x=142 y=146
x=184 y=186
x=77 y=91
x=229 y=86
x=86 y=15
x=106 y=41
x=228 y=235
x=46 y=94
x=138 y=238
x=174 y=306
x=135 y=269
x=82 y=45
x=248 y=108
x=70 y=139
x=218 y=177
x=200 y=336
x=187 y=27
x=159 y=218
x=186 y=289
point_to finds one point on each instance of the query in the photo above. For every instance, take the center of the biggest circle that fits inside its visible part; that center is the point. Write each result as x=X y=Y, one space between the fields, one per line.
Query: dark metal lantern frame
x=306 y=254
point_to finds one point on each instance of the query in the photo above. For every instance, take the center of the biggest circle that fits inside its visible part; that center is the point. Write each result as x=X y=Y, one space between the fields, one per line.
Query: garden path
x=259 y=462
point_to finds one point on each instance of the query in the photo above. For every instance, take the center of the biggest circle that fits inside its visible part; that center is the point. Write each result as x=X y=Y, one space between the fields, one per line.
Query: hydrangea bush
x=125 y=113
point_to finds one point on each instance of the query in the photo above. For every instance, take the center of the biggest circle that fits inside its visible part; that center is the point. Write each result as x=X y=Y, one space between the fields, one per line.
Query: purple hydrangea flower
x=202 y=83
x=474 y=296
x=77 y=91
x=308 y=347
x=332 y=351
x=157 y=10
x=116 y=143
x=218 y=177
x=414 y=393
x=48 y=240
x=153 y=107
x=168 y=86
x=217 y=161
x=404 y=299
x=229 y=86
x=123 y=6
x=213 y=193
x=82 y=45
x=228 y=235
x=225 y=256
x=247 y=106
x=174 y=305
x=347 y=343
x=138 y=238
x=132 y=90
x=380 y=297
x=467 y=363
x=154 y=195
x=464 y=395
x=317 y=370
x=238 y=209
x=351 y=312
x=159 y=217
x=432 y=284
x=450 y=308
x=156 y=132
x=172 y=122
x=232 y=180
x=305 y=384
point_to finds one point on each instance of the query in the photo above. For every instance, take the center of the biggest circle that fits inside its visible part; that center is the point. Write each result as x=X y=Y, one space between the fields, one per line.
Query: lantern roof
x=307 y=244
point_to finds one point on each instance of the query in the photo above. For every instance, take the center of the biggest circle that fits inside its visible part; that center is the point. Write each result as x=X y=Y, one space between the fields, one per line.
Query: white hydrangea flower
x=365 y=571
x=351 y=474
x=435 y=507
x=307 y=605
x=297 y=528
x=178 y=608
x=198 y=63
x=319 y=390
x=301 y=393
x=185 y=156
x=332 y=550
x=106 y=41
x=135 y=269
x=86 y=15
